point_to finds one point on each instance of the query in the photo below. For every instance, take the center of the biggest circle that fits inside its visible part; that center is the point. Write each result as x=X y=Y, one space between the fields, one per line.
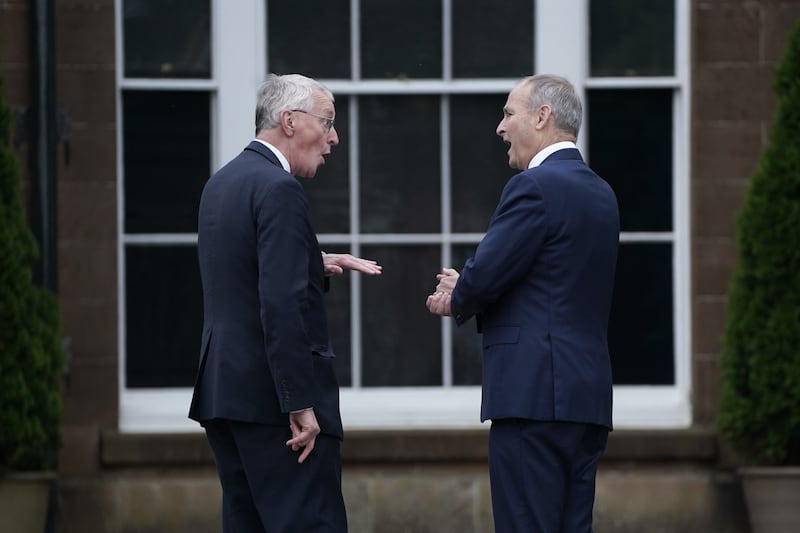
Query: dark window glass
x=640 y=329
x=490 y=41
x=401 y=39
x=329 y=191
x=337 y=305
x=467 y=343
x=401 y=340
x=630 y=146
x=311 y=37
x=632 y=38
x=400 y=164
x=167 y=38
x=166 y=155
x=478 y=160
x=164 y=307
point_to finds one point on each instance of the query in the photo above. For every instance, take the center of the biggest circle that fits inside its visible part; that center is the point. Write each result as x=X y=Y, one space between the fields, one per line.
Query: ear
x=287 y=123
x=543 y=115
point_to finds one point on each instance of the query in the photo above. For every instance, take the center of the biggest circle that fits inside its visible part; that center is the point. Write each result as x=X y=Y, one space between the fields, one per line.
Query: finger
x=306 y=451
x=334 y=270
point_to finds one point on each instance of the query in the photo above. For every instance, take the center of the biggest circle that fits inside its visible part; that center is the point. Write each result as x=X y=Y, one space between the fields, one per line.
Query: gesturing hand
x=336 y=264
x=304 y=432
x=438 y=303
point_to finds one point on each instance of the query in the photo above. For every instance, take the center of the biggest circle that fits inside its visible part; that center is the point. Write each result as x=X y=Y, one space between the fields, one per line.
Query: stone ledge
x=186 y=449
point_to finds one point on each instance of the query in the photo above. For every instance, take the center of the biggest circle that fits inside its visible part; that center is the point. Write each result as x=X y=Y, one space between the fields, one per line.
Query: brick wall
x=736 y=48
x=87 y=226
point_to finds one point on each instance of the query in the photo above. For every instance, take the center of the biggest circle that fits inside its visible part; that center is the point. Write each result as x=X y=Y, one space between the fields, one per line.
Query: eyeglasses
x=327 y=123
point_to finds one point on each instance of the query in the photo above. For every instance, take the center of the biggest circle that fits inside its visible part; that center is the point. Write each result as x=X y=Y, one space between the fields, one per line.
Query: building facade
x=152 y=96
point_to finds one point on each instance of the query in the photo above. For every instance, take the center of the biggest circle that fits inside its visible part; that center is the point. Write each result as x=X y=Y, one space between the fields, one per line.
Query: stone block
x=728 y=32
x=715 y=208
x=737 y=92
x=85 y=34
x=713 y=261
x=726 y=150
x=709 y=324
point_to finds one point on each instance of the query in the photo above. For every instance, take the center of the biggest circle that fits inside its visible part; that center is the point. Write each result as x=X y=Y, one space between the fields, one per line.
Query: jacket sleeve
x=516 y=234
x=281 y=217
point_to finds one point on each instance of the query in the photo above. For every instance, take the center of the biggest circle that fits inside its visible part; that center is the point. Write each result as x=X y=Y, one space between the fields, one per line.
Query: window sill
x=187 y=449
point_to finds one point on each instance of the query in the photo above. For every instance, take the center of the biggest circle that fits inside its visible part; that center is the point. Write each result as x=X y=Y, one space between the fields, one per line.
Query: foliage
x=31 y=350
x=760 y=391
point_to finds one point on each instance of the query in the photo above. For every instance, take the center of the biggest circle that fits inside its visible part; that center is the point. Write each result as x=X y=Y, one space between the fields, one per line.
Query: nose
x=333 y=136
x=500 y=128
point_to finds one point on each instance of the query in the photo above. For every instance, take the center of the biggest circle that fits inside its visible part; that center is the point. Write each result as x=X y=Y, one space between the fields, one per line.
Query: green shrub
x=760 y=391
x=31 y=350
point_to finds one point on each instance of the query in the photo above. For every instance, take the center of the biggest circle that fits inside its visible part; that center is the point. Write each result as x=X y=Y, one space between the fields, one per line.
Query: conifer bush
x=760 y=389
x=31 y=350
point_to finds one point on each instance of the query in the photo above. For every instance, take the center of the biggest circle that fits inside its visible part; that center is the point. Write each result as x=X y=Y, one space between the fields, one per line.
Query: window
x=419 y=90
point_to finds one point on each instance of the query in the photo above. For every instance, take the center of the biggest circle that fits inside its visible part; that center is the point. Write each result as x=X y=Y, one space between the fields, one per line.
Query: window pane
x=311 y=37
x=164 y=306
x=337 y=305
x=402 y=343
x=492 y=43
x=167 y=154
x=329 y=191
x=467 y=343
x=640 y=329
x=630 y=146
x=400 y=164
x=167 y=38
x=401 y=39
x=478 y=160
x=632 y=38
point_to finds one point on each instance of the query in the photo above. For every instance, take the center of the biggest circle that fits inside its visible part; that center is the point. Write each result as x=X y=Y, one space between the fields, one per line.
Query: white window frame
x=238 y=66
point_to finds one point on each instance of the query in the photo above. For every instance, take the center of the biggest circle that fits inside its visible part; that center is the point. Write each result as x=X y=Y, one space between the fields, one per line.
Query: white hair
x=280 y=92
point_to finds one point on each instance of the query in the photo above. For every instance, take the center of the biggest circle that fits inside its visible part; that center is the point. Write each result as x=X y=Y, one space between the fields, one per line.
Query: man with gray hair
x=540 y=286
x=266 y=392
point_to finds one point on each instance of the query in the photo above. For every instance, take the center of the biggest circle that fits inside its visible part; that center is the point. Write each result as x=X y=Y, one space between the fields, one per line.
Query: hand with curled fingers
x=305 y=429
x=438 y=303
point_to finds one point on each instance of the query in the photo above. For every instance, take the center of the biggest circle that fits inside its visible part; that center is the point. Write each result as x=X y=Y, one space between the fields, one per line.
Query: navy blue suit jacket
x=541 y=283
x=264 y=348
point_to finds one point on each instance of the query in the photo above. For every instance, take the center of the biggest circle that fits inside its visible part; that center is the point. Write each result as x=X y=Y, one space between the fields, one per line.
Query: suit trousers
x=542 y=475
x=265 y=490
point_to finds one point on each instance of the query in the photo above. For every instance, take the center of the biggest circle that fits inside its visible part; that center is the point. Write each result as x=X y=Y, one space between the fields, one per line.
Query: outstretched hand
x=336 y=264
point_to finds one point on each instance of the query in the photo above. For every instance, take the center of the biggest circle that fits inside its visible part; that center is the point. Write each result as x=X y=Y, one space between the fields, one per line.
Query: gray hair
x=561 y=96
x=280 y=92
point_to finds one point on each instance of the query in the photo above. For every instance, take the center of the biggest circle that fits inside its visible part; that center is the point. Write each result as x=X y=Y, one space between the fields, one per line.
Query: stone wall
x=736 y=46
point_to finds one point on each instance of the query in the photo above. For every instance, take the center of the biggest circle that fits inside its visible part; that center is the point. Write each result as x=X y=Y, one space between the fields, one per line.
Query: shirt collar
x=278 y=154
x=547 y=151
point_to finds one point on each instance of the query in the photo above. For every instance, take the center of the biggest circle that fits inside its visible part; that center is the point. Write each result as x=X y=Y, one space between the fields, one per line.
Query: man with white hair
x=266 y=392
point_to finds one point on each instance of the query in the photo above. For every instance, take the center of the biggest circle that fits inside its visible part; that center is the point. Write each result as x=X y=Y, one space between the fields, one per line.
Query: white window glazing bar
x=655 y=82
x=355 y=244
x=446 y=183
x=121 y=301
x=355 y=44
x=460 y=86
x=681 y=141
x=447 y=40
x=160 y=84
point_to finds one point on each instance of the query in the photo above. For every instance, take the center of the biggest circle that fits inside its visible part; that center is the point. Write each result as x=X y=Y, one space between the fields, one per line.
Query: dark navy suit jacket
x=541 y=283
x=265 y=348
